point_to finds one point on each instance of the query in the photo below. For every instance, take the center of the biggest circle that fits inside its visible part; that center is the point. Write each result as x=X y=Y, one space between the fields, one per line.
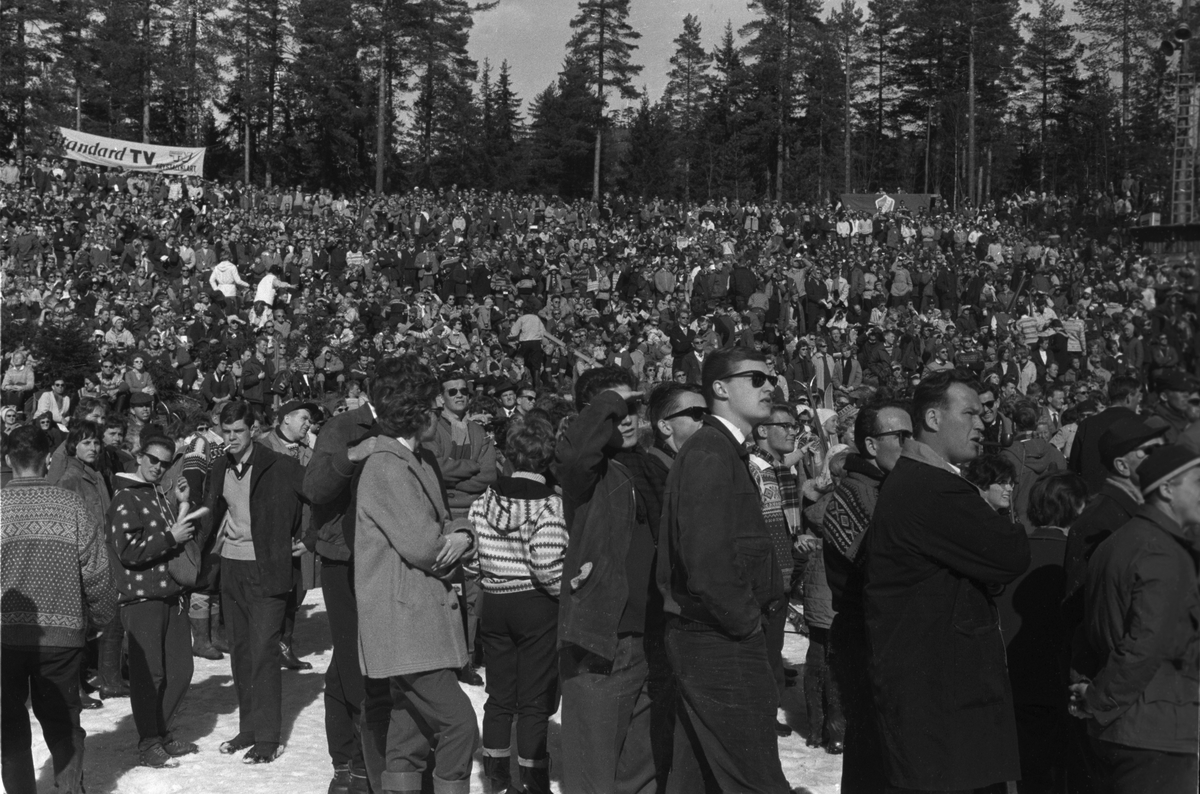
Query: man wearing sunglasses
x=609 y=629
x=880 y=431
x=467 y=458
x=938 y=671
x=720 y=582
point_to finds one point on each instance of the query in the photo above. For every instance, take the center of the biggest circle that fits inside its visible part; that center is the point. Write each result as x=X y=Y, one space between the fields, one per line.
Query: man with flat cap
x=289 y=437
x=1137 y=666
x=1179 y=407
x=1123 y=448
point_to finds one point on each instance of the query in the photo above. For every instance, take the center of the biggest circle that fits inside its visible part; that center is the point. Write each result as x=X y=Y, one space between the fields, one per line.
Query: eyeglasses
x=696 y=413
x=156 y=461
x=456 y=392
x=527 y=397
x=901 y=435
x=59 y=385
x=633 y=405
x=756 y=377
x=790 y=427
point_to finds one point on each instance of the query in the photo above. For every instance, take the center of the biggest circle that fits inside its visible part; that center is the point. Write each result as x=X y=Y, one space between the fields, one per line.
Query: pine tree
x=602 y=44
x=1049 y=59
x=686 y=94
x=1124 y=34
x=845 y=33
x=780 y=39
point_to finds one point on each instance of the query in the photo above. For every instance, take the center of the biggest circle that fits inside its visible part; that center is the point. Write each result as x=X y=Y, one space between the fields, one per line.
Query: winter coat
x=522 y=537
x=600 y=509
x=408 y=615
x=934 y=549
x=275 y=512
x=84 y=480
x=1031 y=458
x=716 y=562
x=467 y=469
x=1142 y=649
x=224 y=278
x=140 y=542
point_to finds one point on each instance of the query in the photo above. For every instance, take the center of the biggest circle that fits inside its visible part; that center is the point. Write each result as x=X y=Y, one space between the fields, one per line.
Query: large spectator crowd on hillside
x=569 y=349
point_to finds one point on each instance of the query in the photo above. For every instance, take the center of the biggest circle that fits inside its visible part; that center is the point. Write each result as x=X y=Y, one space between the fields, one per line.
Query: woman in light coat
x=409 y=625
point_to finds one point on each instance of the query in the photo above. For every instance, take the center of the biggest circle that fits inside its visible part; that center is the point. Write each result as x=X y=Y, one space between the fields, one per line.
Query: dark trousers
x=254 y=620
x=533 y=354
x=519 y=634
x=727 y=704
x=774 y=627
x=1132 y=770
x=847 y=656
x=428 y=710
x=825 y=720
x=160 y=664
x=344 y=691
x=49 y=679
x=1041 y=732
x=614 y=736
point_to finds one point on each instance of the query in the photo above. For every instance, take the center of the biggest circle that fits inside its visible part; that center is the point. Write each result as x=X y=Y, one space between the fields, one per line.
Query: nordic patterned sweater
x=55 y=579
x=521 y=534
x=140 y=541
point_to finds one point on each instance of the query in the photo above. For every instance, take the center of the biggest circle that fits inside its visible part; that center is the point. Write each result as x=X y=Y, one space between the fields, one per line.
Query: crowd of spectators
x=196 y=295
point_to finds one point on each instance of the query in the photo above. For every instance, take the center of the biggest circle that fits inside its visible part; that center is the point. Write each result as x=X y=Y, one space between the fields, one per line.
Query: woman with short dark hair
x=406 y=548
x=522 y=541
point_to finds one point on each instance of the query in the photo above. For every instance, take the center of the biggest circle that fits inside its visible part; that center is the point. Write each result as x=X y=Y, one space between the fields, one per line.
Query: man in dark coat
x=720 y=582
x=934 y=550
x=253 y=495
x=1124 y=397
x=1139 y=661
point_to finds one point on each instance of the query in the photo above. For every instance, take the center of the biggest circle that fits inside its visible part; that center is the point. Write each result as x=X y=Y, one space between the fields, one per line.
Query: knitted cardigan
x=522 y=537
x=50 y=545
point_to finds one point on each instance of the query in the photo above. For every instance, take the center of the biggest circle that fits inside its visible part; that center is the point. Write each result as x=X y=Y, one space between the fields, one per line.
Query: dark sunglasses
x=456 y=392
x=791 y=426
x=756 y=377
x=156 y=461
x=633 y=405
x=696 y=413
x=901 y=435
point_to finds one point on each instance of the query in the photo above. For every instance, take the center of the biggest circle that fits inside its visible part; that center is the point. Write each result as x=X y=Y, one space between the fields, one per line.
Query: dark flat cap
x=1164 y=464
x=1125 y=435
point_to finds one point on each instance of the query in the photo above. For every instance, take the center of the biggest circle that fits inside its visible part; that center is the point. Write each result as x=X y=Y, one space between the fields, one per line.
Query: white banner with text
x=130 y=155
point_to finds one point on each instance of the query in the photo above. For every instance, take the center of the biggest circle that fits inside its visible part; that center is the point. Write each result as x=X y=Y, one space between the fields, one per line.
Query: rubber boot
x=217 y=628
x=201 y=642
x=112 y=685
x=497 y=773
x=536 y=780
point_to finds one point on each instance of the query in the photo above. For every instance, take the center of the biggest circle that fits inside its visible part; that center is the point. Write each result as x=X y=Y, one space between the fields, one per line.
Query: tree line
x=966 y=98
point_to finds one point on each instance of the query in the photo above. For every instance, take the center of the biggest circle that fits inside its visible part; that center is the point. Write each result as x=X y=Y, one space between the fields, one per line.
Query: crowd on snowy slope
x=229 y=319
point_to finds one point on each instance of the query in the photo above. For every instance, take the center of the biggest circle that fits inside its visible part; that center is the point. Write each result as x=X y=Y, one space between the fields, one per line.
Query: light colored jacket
x=408 y=615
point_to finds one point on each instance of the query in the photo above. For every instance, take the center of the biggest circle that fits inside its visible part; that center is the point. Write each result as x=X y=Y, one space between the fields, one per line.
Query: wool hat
x=1125 y=435
x=1164 y=464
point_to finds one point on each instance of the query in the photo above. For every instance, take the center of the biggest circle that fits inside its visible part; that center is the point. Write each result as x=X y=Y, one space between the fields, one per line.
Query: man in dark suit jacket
x=938 y=671
x=717 y=573
x=1124 y=397
x=253 y=495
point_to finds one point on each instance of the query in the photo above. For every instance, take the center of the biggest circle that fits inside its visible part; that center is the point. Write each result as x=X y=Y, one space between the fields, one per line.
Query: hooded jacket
x=522 y=537
x=140 y=541
x=1031 y=458
x=225 y=279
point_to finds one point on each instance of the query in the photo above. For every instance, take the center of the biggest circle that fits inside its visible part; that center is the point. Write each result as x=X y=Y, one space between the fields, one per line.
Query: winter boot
x=217 y=628
x=288 y=657
x=497 y=772
x=340 y=784
x=112 y=685
x=201 y=642
x=536 y=779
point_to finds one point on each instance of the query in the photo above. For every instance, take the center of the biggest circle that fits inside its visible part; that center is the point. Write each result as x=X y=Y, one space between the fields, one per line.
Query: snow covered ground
x=209 y=716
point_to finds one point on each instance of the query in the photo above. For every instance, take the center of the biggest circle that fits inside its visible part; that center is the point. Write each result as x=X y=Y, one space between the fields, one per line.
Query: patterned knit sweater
x=53 y=571
x=140 y=541
x=522 y=537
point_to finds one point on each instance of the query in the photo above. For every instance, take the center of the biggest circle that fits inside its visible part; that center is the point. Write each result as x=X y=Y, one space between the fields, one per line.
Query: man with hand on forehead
x=613 y=671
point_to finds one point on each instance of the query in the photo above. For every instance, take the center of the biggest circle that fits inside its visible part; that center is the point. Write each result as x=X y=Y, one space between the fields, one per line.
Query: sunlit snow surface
x=209 y=717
